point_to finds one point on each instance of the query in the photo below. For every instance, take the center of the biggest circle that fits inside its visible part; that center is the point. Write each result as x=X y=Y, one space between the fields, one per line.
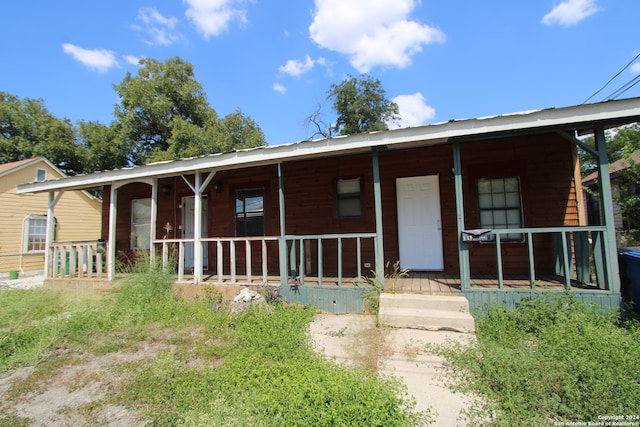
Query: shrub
x=551 y=359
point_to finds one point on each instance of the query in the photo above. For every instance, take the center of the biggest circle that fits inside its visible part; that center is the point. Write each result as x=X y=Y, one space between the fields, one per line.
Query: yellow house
x=23 y=217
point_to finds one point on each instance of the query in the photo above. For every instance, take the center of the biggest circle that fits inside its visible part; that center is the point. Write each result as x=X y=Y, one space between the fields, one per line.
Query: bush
x=551 y=359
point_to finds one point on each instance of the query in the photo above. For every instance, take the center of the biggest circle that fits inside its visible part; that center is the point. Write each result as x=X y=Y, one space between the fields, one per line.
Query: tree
x=361 y=105
x=28 y=129
x=621 y=143
x=104 y=147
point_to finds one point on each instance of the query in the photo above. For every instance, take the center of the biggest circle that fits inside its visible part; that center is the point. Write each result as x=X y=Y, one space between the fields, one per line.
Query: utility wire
x=631 y=83
x=612 y=78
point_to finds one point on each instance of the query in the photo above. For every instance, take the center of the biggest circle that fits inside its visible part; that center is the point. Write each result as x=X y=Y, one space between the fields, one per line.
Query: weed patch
x=551 y=359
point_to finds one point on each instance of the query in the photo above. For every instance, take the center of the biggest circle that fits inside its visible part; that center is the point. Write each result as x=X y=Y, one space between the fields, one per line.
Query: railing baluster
x=232 y=259
x=302 y=262
x=265 y=267
x=565 y=260
x=165 y=256
x=499 y=260
x=359 y=260
x=532 y=265
x=219 y=260
x=320 y=261
x=339 y=261
x=181 y=261
x=247 y=249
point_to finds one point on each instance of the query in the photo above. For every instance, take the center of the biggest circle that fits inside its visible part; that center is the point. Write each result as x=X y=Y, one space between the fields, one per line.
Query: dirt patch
x=74 y=394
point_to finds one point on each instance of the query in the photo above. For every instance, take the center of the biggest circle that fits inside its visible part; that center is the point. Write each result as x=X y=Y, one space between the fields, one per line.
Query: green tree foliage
x=361 y=105
x=164 y=114
x=622 y=143
x=28 y=129
x=104 y=147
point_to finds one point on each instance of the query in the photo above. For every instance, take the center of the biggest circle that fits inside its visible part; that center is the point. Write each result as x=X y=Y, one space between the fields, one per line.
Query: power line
x=631 y=83
x=612 y=78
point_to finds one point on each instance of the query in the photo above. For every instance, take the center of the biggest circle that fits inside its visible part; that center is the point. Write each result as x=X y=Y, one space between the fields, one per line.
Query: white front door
x=188 y=209
x=419 y=224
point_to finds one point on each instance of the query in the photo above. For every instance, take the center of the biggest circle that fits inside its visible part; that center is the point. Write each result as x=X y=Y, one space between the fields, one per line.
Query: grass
x=553 y=359
x=205 y=368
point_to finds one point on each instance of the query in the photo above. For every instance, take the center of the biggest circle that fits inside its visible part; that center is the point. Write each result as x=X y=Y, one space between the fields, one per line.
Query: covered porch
x=310 y=262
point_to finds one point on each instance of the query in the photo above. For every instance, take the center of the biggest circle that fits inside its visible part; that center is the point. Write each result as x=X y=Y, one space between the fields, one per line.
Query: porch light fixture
x=166 y=189
x=218 y=186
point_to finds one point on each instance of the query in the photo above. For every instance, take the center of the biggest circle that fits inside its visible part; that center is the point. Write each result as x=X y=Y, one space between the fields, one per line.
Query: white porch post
x=612 y=270
x=197 y=231
x=111 y=239
x=198 y=188
x=48 y=266
x=153 y=220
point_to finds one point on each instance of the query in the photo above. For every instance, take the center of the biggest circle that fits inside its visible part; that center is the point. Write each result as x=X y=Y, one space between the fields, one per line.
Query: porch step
x=431 y=312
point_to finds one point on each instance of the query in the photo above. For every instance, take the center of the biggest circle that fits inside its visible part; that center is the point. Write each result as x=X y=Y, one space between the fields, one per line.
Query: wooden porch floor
x=433 y=283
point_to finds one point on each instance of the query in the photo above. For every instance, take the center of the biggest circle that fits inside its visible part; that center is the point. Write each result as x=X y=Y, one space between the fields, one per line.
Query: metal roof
x=575 y=118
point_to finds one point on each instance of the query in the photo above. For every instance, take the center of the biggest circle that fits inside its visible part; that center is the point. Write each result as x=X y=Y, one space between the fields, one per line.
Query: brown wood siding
x=545 y=164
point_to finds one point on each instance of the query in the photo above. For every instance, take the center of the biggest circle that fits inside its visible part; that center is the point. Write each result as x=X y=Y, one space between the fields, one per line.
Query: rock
x=246 y=299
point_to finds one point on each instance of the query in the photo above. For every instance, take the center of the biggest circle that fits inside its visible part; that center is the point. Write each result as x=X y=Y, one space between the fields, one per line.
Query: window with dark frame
x=500 y=205
x=349 y=198
x=250 y=212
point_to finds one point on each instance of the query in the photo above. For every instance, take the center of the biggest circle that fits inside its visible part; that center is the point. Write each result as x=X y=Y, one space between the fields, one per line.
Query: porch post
x=197 y=230
x=377 y=197
x=53 y=199
x=610 y=253
x=153 y=220
x=282 y=246
x=111 y=239
x=463 y=247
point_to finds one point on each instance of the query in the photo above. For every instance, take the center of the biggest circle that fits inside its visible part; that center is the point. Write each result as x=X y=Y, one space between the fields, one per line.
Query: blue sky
x=275 y=60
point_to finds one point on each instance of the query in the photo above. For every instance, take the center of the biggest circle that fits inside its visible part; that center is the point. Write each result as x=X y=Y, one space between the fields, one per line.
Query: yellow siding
x=77 y=215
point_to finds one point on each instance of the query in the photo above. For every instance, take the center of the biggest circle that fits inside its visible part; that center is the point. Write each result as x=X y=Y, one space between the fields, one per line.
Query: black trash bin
x=630 y=275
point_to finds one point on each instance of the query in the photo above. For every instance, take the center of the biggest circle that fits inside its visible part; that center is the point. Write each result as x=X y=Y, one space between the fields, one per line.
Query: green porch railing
x=296 y=268
x=576 y=251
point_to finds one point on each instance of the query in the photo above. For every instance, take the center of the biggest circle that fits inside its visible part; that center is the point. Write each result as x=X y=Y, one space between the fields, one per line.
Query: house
x=23 y=217
x=618 y=180
x=489 y=208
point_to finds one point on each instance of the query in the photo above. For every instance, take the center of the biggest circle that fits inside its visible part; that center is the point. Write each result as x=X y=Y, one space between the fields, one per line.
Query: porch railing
x=298 y=245
x=252 y=257
x=82 y=259
x=578 y=253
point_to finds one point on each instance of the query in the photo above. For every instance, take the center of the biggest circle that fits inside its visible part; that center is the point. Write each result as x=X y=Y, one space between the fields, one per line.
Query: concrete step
x=422 y=301
x=430 y=312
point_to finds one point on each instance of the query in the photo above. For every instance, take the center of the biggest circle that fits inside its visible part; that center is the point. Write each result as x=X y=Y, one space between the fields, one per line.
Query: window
x=349 y=198
x=35 y=236
x=250 y=212
x=41 y=175
x=500 y=205
x=141 y=224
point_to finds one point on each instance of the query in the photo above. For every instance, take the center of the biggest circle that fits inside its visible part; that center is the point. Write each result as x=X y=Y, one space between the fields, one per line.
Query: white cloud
x=133 y=60
x=159 y=29
x=279 y=88
x=414 y=111
x=295 y=68
x=97 y=59
x=371 y=32
x=635 y=68
x=212 y=17
x=570 y=12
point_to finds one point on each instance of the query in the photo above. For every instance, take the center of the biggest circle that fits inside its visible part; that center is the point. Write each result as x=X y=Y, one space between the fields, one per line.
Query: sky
x=276 y=60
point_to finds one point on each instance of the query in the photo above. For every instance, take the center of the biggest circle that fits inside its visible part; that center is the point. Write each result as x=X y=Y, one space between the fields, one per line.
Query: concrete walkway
x=354 y=339
x=22 y=282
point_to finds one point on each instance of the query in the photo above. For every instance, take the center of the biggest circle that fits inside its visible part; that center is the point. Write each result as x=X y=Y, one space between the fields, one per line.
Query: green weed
x=551 y=359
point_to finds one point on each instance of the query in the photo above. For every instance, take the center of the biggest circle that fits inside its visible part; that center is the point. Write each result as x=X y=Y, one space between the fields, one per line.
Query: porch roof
x=568 y=119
